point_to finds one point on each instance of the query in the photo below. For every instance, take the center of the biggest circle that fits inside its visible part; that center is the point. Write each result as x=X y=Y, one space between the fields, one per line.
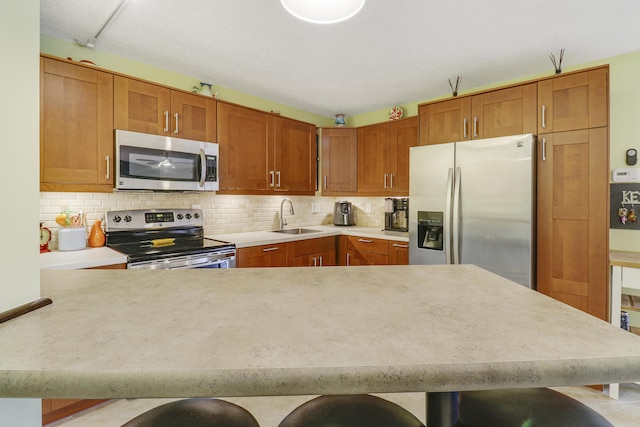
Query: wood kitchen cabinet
x=274 y=255
x=263 y=153
x=150 y=108
x=398 y=253
x=56 y=409
x=364 y=251
x=383 y=156
x=573 y=195
x=76 y=127
x=574 y=101
x=319 y=252
x=339 y=161
x=502 y=112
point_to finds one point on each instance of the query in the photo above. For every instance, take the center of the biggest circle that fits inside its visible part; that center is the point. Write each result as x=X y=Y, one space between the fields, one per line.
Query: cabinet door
x=574 y=101
x=339 y=160
x=573 y=219
x=510 y=111
x=445 y=121
x=398 y=253
x=319 y=259
x=403 y=134
x=355 y=257
x=244 y=136
x=294 y=156
x=76 y=127
x=262 y=256
x=141 y=107
x=196 y=116
x=373 y=149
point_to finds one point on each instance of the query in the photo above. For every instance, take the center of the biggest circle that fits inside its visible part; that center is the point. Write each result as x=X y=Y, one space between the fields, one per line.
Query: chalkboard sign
x=624 y=206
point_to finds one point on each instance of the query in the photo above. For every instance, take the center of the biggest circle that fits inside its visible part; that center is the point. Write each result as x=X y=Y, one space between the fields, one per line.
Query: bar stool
x=350 y=411
x=525 y=407
x=195 y=413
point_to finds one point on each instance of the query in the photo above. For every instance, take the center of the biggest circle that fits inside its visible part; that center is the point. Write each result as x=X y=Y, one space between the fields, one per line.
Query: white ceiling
x=392 y=52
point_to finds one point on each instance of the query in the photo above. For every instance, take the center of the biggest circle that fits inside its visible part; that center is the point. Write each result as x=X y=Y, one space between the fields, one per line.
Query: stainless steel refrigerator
x=473 y=202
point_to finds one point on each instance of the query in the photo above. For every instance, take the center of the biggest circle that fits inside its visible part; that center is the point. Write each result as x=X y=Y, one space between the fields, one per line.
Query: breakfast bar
x=302 y=331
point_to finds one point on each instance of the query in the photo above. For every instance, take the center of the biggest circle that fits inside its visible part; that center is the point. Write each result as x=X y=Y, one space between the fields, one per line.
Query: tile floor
x=269 y=411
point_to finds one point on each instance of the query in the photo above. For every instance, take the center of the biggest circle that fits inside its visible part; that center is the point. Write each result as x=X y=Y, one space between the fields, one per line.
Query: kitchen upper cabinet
x=150 y=108
x=262 y=256
x=383 y=156
x=574 y=101
x=76 y=127
x=339 y=160
x=573 y=218
x=509 y=111
x=264 y=154
x=294 y=157
x=319 y=252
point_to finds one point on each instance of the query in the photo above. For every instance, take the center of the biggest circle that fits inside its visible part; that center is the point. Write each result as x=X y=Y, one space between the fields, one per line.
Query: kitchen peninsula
x=277 y=331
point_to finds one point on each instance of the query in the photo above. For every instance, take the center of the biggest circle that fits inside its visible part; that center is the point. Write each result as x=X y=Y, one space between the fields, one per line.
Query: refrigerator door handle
x=456 y=217
x=447 y=218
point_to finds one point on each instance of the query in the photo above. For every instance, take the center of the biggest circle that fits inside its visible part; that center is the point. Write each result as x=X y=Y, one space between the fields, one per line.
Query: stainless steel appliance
x=162 y=163
x=166 y=239
x=396 y=214
x=344 y=214
x=472 y=202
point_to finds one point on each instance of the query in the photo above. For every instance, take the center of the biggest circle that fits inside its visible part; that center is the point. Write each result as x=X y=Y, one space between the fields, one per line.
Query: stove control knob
x=127 y=218
x=180 y=216
x=196 y=215
x=117 y=218
x=188 y=216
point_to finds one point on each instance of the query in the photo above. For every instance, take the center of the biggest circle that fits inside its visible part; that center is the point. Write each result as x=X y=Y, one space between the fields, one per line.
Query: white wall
x=19 y=179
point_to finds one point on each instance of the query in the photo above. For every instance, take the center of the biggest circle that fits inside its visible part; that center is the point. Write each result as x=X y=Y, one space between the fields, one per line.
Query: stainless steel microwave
x=162 y=163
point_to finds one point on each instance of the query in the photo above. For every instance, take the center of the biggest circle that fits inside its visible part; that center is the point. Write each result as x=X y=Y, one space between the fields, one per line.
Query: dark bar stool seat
x=195 y=413
x=350 y=411
x=525 y=407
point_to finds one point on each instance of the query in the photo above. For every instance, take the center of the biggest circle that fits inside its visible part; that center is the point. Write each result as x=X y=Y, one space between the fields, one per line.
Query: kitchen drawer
x=364 y=244
x=310 y=246
x=262 y=256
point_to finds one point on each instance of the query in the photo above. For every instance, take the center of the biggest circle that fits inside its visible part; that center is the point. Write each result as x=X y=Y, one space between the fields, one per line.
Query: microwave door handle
x=203 y=167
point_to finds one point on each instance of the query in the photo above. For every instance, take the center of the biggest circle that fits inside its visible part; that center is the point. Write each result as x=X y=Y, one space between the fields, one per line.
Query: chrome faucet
x=282 y=220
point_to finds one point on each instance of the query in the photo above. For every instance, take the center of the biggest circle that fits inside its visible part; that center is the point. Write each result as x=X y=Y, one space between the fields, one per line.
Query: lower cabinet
x=262 y=256
x=398 y=253
x=320 y=252
x=56 y=409
x=353 y=250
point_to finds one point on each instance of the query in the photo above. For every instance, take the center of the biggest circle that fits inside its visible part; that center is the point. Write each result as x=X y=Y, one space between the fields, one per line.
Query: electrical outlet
x=195 y=207
x=367 y=208
x=315 y=208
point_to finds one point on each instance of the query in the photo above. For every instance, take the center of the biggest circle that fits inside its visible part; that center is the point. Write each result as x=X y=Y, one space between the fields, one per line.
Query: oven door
x=154 y=162
x=223 y=259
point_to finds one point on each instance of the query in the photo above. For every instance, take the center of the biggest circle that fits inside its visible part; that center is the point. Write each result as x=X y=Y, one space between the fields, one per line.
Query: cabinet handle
x=325 y=182
x=270 y=249
x=314 y=262
x=391 y=186
x=365 y=241
x=475 y=127
x=400 y=246
x=385 y=180
x=544 y=149
x=166 y=121
x=108 y=160
x=544 y=113
x=465 y=123
x=320 y=261
x=272 y=179
x=348 y=259
x=176 y=116
x=278 y=175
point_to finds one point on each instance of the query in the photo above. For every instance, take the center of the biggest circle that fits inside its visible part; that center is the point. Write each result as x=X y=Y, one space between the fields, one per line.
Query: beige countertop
x=289 y=331
x=256 y=238
x=84 y=258
x=624 y=259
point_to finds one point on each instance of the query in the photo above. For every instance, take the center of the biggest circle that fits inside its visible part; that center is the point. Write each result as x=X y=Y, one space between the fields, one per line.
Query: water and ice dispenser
x=430 y=230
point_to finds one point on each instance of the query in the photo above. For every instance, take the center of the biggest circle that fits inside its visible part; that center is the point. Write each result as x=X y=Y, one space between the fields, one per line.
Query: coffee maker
x=396 y=215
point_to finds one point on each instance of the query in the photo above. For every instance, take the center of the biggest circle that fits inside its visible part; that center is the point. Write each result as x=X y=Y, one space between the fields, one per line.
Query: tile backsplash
x=223 y=213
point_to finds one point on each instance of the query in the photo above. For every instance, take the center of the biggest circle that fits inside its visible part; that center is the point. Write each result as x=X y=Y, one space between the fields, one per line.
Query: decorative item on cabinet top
x=557 y=64
x=454 y=90
x=339 y=122
x=396 y=113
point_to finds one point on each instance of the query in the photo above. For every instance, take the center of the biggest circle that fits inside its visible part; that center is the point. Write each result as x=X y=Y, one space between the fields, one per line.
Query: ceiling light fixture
x=323 y=11
x=91 y=43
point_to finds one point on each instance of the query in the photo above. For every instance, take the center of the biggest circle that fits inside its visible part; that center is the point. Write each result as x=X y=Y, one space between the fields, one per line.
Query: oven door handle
x=203 y=168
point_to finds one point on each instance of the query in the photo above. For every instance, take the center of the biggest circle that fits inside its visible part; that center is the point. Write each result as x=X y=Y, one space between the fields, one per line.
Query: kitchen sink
x=296 y=231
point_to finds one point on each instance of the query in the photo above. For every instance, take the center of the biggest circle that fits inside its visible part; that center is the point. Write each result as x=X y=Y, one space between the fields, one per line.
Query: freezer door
x=496 y=211
x=430 y=169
